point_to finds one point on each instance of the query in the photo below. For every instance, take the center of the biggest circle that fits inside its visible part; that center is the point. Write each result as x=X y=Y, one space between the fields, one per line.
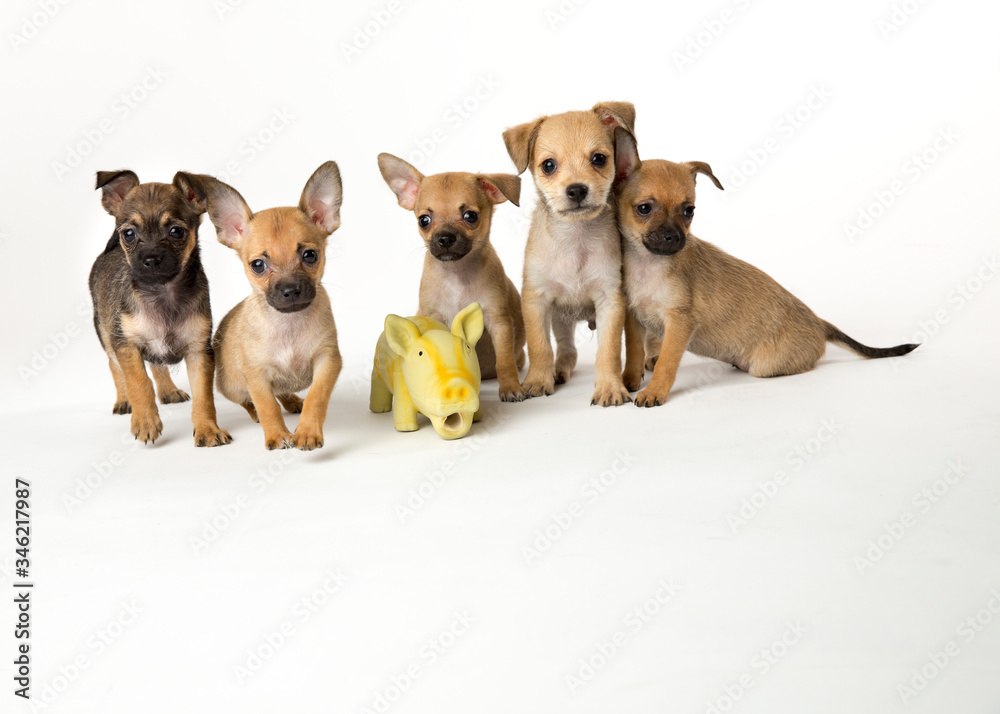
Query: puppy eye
x=176 y=232
x=424 y=221
x=689 y=211
x=644 y=209
x=598 y=159
x=470 y=216
x=128 y=235
x=258 y=266
x=310 y=256
x=548 y=167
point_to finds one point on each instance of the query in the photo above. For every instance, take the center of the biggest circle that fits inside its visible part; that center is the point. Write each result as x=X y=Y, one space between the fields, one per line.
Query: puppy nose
x=576 y=192
x=151 y=261
x=291 y=291
x=446 y=240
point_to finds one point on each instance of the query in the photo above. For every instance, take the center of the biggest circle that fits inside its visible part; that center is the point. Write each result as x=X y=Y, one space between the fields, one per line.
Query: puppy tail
x=839 y=338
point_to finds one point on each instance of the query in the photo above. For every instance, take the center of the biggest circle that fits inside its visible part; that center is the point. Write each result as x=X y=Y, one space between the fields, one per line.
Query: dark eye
x=644 y=209
x=310 y=256
x=128 y=235
x=689 y=211
x=548 y=167
x=420 y=353
x=258 y=266
x=424 y=221
x=176 y=232
x=598 y=159
x=470 y=216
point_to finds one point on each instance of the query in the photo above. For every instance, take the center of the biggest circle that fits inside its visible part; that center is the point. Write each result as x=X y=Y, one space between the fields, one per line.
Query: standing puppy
x=696 y=297
x=282 y=338
x=151 y=302
x=572 y=261
x=454 y=212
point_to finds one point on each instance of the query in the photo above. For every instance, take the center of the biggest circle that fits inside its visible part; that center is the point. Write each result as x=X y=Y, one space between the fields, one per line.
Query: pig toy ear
x=400 y=333
x=468 y=324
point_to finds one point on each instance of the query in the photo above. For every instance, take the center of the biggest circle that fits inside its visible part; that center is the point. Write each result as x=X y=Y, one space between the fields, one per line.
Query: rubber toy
x=422 y=366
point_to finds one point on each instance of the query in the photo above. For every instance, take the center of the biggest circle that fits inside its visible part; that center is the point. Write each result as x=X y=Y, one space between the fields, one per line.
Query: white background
x=835 y=459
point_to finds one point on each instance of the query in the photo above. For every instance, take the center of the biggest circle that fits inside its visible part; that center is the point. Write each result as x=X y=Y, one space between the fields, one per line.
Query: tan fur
x=572 y=261
x=448 y=287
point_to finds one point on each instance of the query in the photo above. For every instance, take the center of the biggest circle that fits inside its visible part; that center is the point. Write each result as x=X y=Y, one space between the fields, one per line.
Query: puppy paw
x=146 y=428
x=651 y=362
x=279 y=440
x=632 y=380
x=512 y=393
x=308 y=437
x=122 y=407
x=291 y=402
x=650 y=398
x=539 y=387
x=563 y=374
x=174 y=396
x=610 y=395
x=210 y=435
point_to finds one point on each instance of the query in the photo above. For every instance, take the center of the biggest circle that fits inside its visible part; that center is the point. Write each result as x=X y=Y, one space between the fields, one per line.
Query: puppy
x=572 y=261
x=696 y=297
x=454 y=211
x=151 y=302
x=282 y=338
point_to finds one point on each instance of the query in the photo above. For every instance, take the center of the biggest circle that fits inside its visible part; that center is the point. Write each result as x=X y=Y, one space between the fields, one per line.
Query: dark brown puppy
x=151 y=304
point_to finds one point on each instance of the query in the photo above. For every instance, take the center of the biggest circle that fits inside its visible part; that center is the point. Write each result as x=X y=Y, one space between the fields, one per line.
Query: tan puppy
x=282 y=338
x=696 y=297
x=572 y=261
x=454 y=211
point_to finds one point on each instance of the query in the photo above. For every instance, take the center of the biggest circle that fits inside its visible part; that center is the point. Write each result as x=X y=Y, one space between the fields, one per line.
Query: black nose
x=446 y=240
x=576 y=192
x=290 y=291
x=151 y=261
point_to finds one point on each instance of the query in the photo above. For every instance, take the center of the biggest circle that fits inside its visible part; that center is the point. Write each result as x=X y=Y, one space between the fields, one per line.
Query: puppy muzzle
x=447 y=246
x=665 y=240
x=291 y=295
x=153 y=267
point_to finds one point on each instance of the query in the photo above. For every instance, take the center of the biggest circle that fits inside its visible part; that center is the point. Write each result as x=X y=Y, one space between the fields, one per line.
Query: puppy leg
x=291 y=402
x=564 y=330
x=502 y=332
x=519 y=355
x=676 y=336
x=634 y=369
x=309 y=433
x=540 y=380
x=169 y=392
x=146 y=424
x=201 y=374
x=610 y=389
x=276 y=434
x=121 y=399
x=251 y=410
x=486 y=353
x=652 y=348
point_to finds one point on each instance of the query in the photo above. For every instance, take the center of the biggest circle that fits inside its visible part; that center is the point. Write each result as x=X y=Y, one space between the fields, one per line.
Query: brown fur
x=151 y=302
x=461 y=266
x=282 y=338
x=696 y=297
x=572 y=261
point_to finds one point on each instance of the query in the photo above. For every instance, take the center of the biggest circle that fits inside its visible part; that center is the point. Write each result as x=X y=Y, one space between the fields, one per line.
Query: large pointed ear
x=700 y=167
x=520 y=141
x=227 y=210
x=626 y=154
x=501 y=187
x=322 y=196
x=403 y=179
x=615 y=114
x=400 y=333
x=468 y=324
x=192 y=190
x=114 y=185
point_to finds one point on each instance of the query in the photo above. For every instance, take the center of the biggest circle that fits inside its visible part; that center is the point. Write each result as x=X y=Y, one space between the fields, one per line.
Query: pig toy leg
x=380 y=399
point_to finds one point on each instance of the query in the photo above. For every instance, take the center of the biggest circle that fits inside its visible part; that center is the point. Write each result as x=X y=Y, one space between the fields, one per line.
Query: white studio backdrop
x=826 y=542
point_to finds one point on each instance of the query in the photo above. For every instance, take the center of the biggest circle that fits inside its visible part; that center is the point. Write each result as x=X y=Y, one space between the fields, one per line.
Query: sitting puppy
x=282 y=338
x=151 y=302
x=696 y=297
x=454 y=211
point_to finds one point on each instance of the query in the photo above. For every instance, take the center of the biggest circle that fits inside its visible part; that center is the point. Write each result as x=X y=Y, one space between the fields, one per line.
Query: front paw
x=146 y=428
x=632 y=379
x=650 y=363
x=174 y=396
x=512 y=393
x=650 y=398
x=539 y=386
x=210 y=434
x=308 y=437
x=122 y=407
x=278 y=440
x=610 y=395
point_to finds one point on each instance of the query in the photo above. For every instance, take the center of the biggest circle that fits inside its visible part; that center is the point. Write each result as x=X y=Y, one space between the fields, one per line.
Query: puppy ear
x=322 y=196
x=400 y=333
x=114 y=185
x=227 y=210
x=700 y=167
x=403 y=179
x=520 y=141
x=626 y=154
x=468 y=324
x=615 y=114
x=192 y=190
x=501 y=187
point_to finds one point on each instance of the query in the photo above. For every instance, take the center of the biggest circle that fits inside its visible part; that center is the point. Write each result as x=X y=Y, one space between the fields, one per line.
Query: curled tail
x=839 y=338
